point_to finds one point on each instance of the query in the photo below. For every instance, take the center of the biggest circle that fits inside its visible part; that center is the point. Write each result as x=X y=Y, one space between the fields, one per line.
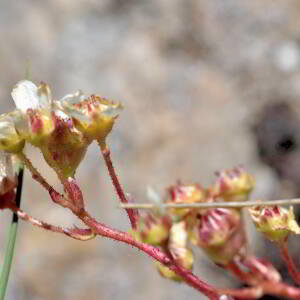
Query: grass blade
x=11 y=241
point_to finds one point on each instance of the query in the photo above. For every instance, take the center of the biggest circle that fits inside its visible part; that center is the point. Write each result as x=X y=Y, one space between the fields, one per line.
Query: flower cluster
x=61 y=129
x=218 y=232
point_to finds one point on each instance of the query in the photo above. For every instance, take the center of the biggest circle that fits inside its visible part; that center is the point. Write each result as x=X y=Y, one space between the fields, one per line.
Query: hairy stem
x=261 y=269
x=240 y=274
x=132 y=213
x=154 y=252
x=35 y=173
x=75 y=233
x=263 y=279
x=55 y=196
x=285 y=255
x=278 y=289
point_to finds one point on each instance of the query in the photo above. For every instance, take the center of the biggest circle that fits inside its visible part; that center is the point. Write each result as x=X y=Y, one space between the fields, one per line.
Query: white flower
x=94 y=116
x=27 y=95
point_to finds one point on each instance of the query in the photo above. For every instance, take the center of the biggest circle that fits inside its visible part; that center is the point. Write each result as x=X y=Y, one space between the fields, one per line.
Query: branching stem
x=75 y=233
x=35 y=173
x=154 y=252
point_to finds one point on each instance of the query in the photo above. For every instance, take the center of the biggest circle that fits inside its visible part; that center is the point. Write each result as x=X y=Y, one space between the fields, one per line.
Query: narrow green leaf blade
x=8 y=259
x=11 y=240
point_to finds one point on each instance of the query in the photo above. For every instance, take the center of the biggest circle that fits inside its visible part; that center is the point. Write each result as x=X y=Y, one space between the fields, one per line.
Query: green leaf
x=8 y=259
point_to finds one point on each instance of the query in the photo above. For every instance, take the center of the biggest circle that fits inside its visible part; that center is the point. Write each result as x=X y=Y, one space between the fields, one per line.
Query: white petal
x=5 y=164
x=7 y=128
x=77 y=114
x=112 y=111
x=20 y=122
x=44 y=95
x=25 y=95
x=75 y=98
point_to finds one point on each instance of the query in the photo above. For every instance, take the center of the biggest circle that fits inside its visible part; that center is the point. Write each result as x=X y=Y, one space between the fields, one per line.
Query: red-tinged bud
x=177 y=245
x=153 y=229
x=181 y=193
x=219 y=232
x=275 y=222
x=74 y=194
x=233 y=185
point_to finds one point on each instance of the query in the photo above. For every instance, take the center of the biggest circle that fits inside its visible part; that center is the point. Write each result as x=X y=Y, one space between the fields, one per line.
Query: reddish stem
x=132 y=213
x=34 y=172
x=75 y=233
x=269 y=283
x=285 y=255
x=278 y=289
x=240 y=274
x=152 y=251
x=261 y=269
x=245 y=293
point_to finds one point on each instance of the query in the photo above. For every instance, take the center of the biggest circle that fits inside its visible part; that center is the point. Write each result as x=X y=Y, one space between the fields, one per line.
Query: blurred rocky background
x=195 y=78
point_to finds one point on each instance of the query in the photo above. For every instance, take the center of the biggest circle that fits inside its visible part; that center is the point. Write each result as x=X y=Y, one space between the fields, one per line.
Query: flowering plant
x=210 y=219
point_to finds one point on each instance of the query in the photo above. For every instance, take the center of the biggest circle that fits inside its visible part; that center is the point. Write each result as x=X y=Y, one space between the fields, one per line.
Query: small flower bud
x=74 y=194
x=153 y=229
x=275 y=222
x=233 y=185
x=219 y=232
x=181 y=193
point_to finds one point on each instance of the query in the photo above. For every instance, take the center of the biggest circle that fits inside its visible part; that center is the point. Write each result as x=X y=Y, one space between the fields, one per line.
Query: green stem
x=11 y=241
